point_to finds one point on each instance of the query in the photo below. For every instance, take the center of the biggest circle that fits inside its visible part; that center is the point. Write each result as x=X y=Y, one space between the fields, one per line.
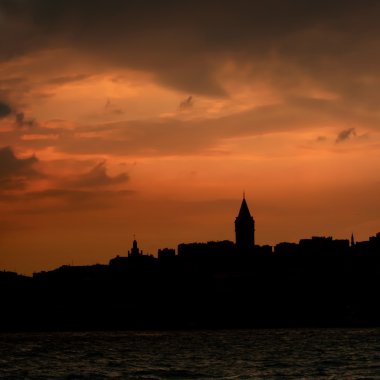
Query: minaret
x=352 y=240
x=245 y=229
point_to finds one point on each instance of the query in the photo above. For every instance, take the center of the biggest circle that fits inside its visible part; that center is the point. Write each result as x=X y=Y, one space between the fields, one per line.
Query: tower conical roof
x=244 y=210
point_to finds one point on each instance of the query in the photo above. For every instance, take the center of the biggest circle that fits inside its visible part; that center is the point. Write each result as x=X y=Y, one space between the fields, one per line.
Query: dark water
x=239 y=354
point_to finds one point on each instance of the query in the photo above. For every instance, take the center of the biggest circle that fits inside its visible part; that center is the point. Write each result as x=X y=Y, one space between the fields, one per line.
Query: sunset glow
x=151 y=118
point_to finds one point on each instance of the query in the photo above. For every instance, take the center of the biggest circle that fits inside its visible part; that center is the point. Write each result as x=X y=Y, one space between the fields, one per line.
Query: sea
x=221 y=354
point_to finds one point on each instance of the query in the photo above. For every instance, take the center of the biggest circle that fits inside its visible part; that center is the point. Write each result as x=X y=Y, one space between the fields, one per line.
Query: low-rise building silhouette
x=165 y=253
x=135 y=257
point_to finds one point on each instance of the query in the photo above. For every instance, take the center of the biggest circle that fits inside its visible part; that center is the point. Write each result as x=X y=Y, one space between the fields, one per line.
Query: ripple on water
x=239 y=354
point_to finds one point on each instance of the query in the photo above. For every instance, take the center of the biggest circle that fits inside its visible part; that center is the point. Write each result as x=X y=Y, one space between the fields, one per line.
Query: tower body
x=134 y=252
x=245 y=230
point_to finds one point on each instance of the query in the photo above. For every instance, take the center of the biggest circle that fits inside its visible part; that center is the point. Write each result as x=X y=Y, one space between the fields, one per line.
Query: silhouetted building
x=375 y=240
x=245 y=229
x=134 y=252
x=165 y=253
x=206 y=249
x=371 y=246
x=320 y=245
x=286 y=248
x=135 y=255
x=263 y=249
x=119 y=261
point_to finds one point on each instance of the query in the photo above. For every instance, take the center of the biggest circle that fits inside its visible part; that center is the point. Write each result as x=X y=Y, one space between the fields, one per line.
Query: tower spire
x=245 y=229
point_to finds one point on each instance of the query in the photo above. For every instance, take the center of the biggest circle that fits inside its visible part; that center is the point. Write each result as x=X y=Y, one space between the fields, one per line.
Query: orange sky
x=152 y=118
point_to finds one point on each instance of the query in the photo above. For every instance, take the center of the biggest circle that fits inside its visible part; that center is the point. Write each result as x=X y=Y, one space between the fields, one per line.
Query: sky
x=151 y=118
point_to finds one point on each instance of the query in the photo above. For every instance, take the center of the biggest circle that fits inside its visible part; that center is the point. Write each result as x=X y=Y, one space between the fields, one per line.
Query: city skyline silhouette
x=319 y=281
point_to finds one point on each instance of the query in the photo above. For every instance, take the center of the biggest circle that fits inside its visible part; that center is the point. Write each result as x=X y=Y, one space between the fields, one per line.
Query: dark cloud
x=185 y=43
x=290 y=45
x=5 y=110
x=178 y=137
x=15 y=172
x=19 y=117
x=68 y=79
x=172 y=136
x=98 y=177
x=22 y=122
x=88 y=191
x=72 y=195
x=345 y=135
x=11 y=82
x=187 y=103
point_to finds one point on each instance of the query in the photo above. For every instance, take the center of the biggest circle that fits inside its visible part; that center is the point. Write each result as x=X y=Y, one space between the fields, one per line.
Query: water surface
x=228 y=354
